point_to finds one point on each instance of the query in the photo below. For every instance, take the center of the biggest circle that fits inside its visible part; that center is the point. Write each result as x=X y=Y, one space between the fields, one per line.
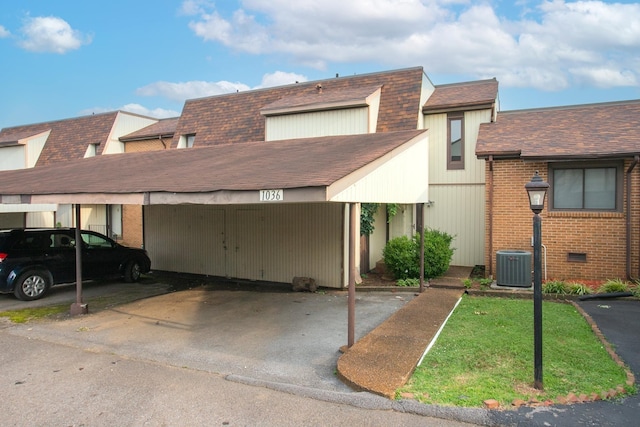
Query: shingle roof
x=298 y=163
x=236 y=117
x=581 y=131
x=314 y=98
x=462 y=95
x=68 y=138
x=163 y=128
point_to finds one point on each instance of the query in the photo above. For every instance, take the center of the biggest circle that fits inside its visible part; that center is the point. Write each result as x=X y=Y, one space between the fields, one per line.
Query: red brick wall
x=601 y=236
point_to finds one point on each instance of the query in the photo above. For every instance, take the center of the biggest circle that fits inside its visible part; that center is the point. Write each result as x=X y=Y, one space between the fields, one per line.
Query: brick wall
x=599 y=235
x=132 y=232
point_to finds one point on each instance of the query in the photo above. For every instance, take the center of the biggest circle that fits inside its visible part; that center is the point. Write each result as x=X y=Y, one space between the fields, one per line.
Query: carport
x=347 y=170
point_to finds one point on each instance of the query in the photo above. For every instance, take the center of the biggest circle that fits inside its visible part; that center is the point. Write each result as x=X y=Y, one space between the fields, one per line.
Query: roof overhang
x=354 y=168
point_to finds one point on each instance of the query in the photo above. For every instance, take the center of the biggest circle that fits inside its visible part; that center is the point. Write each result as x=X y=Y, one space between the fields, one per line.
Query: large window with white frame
x=586 y=186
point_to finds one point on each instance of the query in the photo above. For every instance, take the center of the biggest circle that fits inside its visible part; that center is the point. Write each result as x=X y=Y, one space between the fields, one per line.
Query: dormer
x=321 y=112
x=21 y=150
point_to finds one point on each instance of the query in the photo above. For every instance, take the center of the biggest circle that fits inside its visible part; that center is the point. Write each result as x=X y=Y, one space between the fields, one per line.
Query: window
x=187 y=140
x=190 y=139
x=587 y=187
x=455 y=141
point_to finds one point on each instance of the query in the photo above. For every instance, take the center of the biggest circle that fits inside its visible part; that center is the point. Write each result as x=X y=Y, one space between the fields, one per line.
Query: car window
x=36 y=241
x=61 y=240
x=4 y=240
x=95 y=241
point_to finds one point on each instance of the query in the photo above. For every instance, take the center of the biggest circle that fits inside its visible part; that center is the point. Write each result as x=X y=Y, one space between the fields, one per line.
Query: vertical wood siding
x=256 y=242
x=458 y=195
x=459 y=211
x=324 y=123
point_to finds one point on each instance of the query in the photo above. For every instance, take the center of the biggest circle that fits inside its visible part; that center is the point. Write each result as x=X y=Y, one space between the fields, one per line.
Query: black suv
x=34 y=259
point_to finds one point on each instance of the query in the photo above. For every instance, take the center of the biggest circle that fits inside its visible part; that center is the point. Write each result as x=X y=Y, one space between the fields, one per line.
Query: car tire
x=32 y=285
x=132 y=271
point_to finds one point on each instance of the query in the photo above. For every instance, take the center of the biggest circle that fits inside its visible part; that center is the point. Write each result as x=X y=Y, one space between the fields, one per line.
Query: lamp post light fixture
x=537 y=190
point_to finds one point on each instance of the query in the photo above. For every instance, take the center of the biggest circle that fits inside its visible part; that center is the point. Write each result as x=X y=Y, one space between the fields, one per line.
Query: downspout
x=636 y=159
x=490 y=215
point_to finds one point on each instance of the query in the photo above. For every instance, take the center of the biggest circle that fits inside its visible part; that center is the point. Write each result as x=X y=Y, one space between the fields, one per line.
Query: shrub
x=554 y=287
x=579 y=289
x=402 y=255
x=612 y=286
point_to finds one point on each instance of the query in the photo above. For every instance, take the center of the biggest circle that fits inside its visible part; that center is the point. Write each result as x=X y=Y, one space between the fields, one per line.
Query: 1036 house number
x=271 y=195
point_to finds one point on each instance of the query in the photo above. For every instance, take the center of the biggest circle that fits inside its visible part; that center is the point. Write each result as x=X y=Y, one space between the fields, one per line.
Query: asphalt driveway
x=271 y=335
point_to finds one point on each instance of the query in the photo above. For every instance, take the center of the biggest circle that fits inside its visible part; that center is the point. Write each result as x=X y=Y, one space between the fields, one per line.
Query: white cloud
x=198 y=89
x=158 y=113
x=51 y=34
x=187 y=90
x=4 y=32
x=280 y=78
x=547 y=45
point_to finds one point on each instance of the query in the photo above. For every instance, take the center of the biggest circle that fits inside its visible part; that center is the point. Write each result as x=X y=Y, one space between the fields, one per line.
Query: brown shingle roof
x=236 y=117
x=68 y=138
x=581 y=131
x=462 y=95
x=312 y=98
x=163 y=128
x=297 y=163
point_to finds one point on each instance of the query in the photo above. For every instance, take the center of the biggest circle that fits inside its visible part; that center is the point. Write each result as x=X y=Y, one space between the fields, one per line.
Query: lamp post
x=537 y=190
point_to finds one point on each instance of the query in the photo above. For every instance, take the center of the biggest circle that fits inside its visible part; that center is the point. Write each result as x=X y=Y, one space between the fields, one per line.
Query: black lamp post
x=537 y=190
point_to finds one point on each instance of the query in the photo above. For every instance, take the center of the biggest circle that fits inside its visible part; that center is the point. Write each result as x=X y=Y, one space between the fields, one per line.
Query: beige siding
x=256 y=242
x=457 y=195
x=399 y=177
x=124 y=124
x=39 y=219
x=324 y=123
x=94 y=217
x=34 y=148
x=474 y=168
x=458 y=210
x=12 y=158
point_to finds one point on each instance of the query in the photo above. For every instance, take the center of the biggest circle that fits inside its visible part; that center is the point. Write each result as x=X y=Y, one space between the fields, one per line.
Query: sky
x=68 y=58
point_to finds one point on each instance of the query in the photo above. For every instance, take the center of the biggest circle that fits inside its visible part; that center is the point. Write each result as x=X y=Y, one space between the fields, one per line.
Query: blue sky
x=66 y=58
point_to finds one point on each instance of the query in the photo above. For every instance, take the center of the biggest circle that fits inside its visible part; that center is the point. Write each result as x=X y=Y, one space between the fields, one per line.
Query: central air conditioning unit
x=513 y=268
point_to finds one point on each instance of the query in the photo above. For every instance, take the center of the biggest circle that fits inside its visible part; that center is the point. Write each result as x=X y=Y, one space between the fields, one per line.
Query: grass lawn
x=485 y=351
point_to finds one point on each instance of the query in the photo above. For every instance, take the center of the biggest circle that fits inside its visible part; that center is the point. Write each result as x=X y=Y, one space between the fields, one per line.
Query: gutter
x=636 y=159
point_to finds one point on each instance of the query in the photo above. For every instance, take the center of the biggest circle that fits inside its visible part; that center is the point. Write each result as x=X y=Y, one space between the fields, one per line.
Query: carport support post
x=420 y=227
x=78 y=307
x=352 y=276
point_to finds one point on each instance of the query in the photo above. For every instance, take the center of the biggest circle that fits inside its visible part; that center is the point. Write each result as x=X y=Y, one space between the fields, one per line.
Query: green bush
x=554 y=287
x=402 y=255
x=612 y=286
x=579 y=289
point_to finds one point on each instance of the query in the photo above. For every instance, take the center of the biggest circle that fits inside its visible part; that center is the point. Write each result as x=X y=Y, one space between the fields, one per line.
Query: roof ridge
x=308 y=83
x=571 y=107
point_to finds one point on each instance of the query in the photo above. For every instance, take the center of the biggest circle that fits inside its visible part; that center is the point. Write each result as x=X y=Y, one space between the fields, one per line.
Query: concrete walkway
x=383 y=360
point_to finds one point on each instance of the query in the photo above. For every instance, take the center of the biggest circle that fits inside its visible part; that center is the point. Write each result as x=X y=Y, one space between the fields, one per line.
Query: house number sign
x=271 y=195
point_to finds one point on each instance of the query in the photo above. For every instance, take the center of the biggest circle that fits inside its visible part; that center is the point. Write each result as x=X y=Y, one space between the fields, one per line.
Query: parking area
x=269 y=335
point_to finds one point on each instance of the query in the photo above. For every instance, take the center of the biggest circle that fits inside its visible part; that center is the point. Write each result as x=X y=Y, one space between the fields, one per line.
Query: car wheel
x=32 y=285
x=132 y=271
